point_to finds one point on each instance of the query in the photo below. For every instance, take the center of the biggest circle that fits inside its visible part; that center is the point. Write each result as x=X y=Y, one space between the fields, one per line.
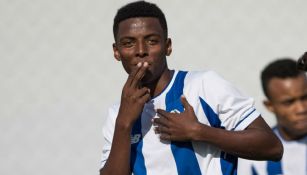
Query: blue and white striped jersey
x=293 y=162
x=216 y=103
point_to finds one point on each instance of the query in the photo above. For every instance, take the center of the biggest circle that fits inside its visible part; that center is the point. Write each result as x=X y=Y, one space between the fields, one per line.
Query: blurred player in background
x=286 y=90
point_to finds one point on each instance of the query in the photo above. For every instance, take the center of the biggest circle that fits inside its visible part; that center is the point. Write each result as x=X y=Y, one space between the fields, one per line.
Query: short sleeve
x=108 y=132
x=234 y=109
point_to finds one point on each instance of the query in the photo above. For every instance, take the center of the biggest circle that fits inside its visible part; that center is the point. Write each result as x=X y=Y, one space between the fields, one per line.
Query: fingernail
x=139 y=64
x=145 y=64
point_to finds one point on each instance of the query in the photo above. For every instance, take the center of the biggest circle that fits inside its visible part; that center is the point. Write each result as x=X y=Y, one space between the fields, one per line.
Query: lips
x=302 y=123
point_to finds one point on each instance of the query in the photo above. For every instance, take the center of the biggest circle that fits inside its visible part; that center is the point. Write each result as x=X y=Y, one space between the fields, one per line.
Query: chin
x=300 y=132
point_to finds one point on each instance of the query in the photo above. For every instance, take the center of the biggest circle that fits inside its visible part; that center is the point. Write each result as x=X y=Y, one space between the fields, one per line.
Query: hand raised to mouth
x=134 y=96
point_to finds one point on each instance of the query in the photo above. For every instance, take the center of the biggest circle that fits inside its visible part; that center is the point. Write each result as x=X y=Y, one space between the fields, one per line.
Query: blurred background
x=58 y=75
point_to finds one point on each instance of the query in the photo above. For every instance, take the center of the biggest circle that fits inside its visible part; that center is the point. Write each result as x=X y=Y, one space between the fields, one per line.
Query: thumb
x=185 y=102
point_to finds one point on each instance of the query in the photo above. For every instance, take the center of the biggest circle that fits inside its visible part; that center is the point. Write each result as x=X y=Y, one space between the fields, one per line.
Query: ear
x=168 y=47
x=116 y=52
x=268 y=104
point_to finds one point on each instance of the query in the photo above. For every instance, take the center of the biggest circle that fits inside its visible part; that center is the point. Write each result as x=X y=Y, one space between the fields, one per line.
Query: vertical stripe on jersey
x=274 y=168
x=228 y=162
x=211 y=116
x=183 y=152
x=137 y=163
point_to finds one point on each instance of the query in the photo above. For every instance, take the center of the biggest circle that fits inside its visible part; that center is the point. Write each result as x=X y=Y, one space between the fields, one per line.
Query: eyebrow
x=126 y=37
x=293 y=99
x=153 y=35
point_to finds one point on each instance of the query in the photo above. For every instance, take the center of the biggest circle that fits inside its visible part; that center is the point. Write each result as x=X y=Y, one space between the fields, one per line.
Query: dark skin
x=288 y=101
x=142 y=48
x=256 y=142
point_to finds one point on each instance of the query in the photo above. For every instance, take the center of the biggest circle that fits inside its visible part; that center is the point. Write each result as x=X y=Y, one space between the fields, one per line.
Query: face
x=141 y=39
x=288 y=100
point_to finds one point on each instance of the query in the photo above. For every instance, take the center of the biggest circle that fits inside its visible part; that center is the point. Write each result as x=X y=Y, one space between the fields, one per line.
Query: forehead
x=288 y=87
x=139 y=26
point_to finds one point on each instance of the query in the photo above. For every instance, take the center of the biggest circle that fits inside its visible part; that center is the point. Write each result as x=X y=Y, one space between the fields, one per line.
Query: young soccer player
x=175 y=122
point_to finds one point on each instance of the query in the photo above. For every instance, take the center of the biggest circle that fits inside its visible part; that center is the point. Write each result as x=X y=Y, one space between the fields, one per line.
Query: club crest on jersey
x=135 y=138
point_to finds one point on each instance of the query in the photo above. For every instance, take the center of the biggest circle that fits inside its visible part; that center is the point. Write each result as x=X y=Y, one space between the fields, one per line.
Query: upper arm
x=270 y=143
x=259 y=123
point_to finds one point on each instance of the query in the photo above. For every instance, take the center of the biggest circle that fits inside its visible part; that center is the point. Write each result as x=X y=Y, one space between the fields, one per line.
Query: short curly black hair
x=302 y=62
x=281 y=68
x=139 y=9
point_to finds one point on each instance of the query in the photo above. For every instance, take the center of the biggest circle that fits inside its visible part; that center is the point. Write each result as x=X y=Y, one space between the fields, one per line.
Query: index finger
x=133 y=73
x=163 y=113
x=139 y=75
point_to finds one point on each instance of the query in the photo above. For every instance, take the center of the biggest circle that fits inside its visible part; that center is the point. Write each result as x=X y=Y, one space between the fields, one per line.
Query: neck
x=160 y=84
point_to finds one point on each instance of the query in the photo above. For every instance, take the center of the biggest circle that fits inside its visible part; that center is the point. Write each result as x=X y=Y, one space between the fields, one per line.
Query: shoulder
x=209 y=81
x=207 y=74
x=207 y=85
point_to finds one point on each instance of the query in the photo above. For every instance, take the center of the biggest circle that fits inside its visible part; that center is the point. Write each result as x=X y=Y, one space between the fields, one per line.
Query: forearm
x=252 y=143
x=118 y=162
x=133 y=99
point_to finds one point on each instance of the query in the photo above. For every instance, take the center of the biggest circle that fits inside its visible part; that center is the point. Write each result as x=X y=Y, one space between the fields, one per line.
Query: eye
x=127 y=43
x=288 y=102
x=153 y=41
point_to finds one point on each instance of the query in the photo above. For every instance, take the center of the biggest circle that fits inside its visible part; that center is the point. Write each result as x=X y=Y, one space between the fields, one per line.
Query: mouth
x=147 y=74
x=301 y=123
x=135 y=65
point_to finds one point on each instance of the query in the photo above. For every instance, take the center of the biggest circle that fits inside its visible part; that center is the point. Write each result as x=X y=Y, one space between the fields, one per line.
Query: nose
x=141 y=49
